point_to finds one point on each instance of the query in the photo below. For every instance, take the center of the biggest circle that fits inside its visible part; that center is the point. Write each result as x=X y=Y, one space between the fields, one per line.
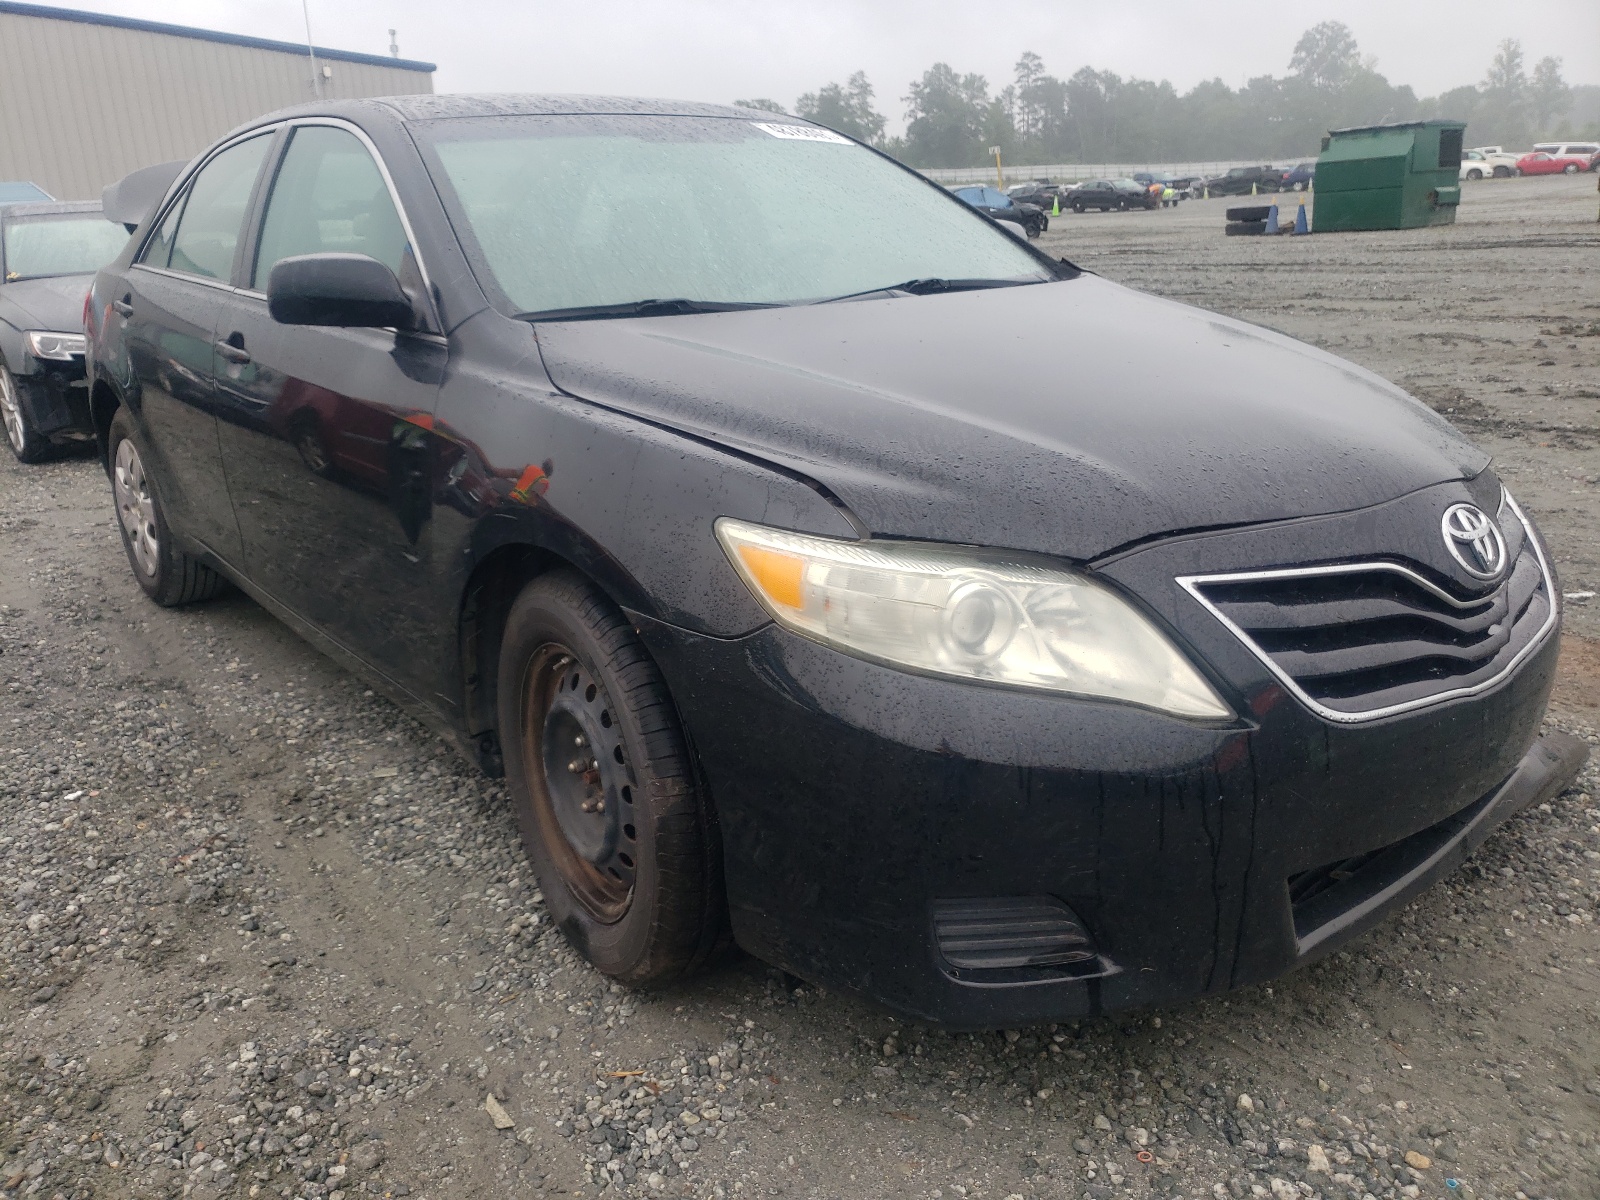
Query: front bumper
x=856 y=801
x=57 y=397
x=852 y=798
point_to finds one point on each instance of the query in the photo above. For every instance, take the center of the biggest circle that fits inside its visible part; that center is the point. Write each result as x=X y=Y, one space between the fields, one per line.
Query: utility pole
x=316 y=74
x=999 y=179
x=394 y=46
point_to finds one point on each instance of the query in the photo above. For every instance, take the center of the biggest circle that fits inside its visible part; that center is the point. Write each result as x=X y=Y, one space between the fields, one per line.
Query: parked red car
x=1542 y=163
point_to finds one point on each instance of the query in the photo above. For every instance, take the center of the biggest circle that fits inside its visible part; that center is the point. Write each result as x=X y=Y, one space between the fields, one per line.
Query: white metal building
x=86 y=98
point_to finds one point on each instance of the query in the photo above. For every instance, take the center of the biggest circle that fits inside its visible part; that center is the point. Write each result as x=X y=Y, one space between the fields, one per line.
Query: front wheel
x=167 y=575
x=1077 y=208
x=606 y=795
x=21 y=436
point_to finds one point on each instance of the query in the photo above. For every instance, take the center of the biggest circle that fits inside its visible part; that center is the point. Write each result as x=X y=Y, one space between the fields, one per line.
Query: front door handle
x=233 y=350
x=123 y=307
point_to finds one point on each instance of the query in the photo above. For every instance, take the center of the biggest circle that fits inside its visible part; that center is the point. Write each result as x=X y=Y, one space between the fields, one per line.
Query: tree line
x=1097 y=116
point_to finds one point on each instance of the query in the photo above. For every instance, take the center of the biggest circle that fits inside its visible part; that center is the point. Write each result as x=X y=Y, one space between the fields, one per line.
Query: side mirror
x=351 y=290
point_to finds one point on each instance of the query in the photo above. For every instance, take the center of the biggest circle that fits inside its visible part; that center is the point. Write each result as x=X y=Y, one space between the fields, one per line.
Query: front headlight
x=931 y=608
x=58 y=347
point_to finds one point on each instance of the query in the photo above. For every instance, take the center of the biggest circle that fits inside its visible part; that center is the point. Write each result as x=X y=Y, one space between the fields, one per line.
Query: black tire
x=1474 y=174
x=625 y=849
x=1570 y=169
x=167 y=575
x=1250 y=212
x=1502 y=172
x=25 y=441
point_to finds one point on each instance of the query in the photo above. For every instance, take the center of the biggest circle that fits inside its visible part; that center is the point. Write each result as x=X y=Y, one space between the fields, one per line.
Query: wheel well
x=495 y=584
x=103 y=405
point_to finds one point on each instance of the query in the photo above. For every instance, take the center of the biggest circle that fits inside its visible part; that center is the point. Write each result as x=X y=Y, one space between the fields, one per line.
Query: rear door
x=326 y=432
x=169 y=302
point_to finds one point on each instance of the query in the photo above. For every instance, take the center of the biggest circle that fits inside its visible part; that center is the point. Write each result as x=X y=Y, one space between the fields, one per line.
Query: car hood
x=1066 y=418
x=55 y=304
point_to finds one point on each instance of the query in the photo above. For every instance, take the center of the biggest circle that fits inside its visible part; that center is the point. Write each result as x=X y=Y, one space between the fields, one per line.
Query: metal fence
x=1069 y=172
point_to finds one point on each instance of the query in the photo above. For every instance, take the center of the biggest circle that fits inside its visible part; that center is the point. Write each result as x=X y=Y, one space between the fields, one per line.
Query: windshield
x=60 y=244
x=566 y=212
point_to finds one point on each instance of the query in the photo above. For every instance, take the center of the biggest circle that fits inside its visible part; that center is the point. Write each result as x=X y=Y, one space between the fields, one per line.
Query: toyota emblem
x=1474 y=541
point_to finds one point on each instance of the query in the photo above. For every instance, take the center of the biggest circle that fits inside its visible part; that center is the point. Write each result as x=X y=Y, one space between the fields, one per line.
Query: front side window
x=213 y=214
x=717 y=210
x=52 y=244
x=328 y=197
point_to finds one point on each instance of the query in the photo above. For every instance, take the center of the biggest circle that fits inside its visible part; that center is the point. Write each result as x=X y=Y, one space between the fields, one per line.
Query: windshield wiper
x=640 y=308
x=926 y=287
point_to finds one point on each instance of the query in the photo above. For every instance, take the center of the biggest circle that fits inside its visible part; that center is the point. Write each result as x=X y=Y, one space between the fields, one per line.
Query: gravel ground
x=265 y=936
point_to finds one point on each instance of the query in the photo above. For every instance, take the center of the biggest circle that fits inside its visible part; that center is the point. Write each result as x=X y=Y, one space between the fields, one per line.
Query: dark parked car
x=995 y=203
x=1174 y=187
x=1245 y=181
x=48 y=252
x=1118 y=194
x=1041 y=193
x=751 y=535
x=1298 y=177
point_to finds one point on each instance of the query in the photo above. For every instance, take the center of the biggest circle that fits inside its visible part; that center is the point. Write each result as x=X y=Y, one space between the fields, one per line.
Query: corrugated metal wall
x=82 y=105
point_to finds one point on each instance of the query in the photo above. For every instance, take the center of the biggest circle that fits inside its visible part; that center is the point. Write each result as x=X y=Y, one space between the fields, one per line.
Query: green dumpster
x=1389 y=176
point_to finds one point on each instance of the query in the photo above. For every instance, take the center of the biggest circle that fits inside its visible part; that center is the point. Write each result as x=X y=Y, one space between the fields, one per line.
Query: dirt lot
x=264 y=936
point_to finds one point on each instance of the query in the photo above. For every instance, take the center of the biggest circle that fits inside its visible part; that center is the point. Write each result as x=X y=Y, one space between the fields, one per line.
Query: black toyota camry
x=854 y=583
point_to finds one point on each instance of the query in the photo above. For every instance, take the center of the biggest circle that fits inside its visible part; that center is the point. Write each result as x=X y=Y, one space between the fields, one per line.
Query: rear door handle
x=123 y=307
x=233 y=353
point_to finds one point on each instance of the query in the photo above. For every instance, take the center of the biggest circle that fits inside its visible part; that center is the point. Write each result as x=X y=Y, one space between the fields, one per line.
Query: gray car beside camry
x=860 y=585
x=48 y=254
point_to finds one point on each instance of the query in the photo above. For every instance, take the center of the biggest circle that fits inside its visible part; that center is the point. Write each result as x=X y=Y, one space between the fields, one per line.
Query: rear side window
x=213 y=213
x=329 y=197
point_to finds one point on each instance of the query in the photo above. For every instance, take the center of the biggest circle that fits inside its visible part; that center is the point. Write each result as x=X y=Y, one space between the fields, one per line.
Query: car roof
x=11 y=212
x=429 y=107
x=22 y=191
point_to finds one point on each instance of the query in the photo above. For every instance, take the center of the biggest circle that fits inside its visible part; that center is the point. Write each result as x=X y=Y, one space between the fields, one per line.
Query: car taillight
x=88 y=309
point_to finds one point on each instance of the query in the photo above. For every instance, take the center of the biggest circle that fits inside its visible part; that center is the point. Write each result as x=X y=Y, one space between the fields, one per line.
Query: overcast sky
x=728 y=49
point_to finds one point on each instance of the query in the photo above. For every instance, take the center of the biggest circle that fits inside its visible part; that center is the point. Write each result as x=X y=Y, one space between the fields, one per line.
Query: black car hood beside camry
x=1067 y=418
x=54 y=303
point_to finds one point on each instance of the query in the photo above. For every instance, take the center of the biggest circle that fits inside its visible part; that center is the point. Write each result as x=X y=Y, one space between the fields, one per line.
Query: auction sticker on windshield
x=802 y=133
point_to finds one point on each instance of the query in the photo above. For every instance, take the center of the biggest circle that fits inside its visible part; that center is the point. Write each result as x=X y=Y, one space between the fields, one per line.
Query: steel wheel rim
x=579 y=783
x=309 y=447
x=11 y=412
x=135 y=507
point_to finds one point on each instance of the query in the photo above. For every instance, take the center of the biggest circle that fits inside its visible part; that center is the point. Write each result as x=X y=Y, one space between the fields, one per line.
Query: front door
x=326 y=432
x=169 y=300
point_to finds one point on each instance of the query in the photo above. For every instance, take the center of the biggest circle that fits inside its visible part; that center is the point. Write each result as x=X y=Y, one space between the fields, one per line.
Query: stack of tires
x=1248 y=221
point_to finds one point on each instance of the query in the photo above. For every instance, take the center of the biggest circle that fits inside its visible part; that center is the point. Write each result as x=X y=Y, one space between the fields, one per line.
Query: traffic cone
x=1300 y=224
x=1253 y=191
x=1272 y=220
x=1055 y=207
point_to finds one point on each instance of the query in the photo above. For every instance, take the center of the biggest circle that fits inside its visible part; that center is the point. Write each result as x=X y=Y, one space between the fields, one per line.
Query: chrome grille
x=1357 y=641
